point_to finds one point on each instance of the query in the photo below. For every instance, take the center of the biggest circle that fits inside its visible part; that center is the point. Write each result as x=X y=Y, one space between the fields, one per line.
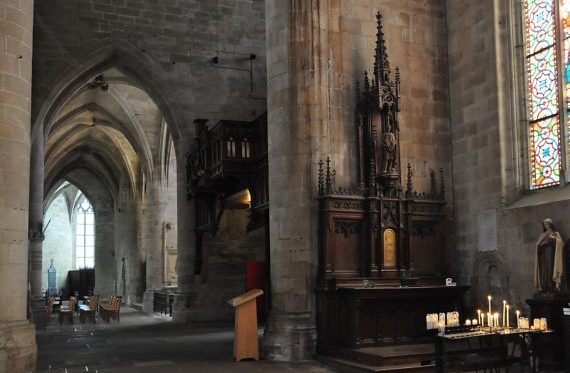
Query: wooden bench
x=67 y=311
x=111 y=309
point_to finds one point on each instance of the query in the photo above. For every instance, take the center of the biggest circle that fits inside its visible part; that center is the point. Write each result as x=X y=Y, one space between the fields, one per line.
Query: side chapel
x=381 y=241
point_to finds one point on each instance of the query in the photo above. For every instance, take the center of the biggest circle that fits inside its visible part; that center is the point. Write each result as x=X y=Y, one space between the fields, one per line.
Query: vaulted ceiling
x=109 y=127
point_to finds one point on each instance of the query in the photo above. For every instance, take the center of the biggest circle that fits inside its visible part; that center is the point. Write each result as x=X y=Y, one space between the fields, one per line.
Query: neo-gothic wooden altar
x=381 y=243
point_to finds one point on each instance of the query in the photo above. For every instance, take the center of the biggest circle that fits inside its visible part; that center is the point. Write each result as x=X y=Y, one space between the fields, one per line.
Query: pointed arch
x=138 y=66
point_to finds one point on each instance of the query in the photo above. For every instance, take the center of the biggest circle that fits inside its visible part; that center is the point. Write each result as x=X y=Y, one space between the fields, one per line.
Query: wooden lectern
x=246 y=341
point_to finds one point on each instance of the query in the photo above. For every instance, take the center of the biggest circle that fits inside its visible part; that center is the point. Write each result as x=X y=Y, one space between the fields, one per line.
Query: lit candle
x=504 y=309
x=489 y=319
x=489 y=299
x=518 y=319
x=508 y=324
x=479 y=316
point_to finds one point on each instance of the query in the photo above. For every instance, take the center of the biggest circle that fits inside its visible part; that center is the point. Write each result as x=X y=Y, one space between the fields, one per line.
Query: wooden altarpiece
x=381 y=246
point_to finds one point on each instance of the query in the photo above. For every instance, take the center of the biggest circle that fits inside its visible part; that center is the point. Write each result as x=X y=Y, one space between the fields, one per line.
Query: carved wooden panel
x=360 y=317
x=425 y=249
x=346 y=244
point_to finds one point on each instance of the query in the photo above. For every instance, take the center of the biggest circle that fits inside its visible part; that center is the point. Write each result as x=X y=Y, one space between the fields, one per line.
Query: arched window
x=547 y=52
x=84 y=234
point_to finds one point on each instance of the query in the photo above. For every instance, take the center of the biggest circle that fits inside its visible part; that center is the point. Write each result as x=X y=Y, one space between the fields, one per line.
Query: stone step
x=399 y=358
x=390 y=355
x=350 y=366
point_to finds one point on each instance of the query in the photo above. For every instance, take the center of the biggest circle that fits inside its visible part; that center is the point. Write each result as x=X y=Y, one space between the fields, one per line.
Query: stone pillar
x=17 y=335
x=297 y=85
x=36 y=214
x=185 y=292
x=151 y=234
x=35 y=227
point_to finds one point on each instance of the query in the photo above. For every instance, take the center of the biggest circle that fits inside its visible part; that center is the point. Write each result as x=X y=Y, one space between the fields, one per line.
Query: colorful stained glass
x=540 y=25
x=565 y=15
x=544 y=71
x=543 y=84
x=545 y=153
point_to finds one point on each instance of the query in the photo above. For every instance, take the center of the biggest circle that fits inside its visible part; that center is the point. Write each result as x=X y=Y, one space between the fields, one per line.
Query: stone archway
x=490 y=277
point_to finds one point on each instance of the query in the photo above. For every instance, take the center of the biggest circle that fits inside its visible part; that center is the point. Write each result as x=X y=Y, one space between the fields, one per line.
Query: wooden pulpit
x=246 y=340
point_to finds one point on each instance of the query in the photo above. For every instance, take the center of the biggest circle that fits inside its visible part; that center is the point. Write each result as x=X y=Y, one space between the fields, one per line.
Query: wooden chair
x=68 y=311
x=111 y=309
x=88 y=310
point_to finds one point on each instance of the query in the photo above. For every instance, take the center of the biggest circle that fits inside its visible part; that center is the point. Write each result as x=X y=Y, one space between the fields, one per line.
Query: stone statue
x=549 y=265
x=388 y=148
x=124 y=278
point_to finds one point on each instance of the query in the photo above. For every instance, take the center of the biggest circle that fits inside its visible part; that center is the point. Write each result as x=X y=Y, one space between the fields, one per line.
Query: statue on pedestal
x=549 y=267
x=389 y=148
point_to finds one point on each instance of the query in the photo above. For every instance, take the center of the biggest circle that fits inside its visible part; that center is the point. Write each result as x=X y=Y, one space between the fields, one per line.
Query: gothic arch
x=138 y=66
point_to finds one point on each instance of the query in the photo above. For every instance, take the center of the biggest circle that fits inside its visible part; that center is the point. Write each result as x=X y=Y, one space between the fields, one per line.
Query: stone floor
x=147 y=343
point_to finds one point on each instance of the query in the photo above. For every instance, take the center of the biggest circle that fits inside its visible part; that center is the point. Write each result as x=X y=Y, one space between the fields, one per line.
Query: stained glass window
x=545 y=71
x=84 y=234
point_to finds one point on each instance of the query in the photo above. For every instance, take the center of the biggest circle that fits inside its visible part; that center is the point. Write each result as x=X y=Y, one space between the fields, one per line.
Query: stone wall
x=58 y=243
x=181 y=38
x=474 y=122
x=497 y=220
x=225 y=256
x=127 y=246
x=103 y=207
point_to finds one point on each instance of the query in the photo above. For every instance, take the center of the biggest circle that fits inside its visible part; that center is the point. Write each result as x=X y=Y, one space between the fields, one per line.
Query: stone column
x=297 y=85
x=35 y=226
x=185 y=293
x=153 y=212
x=36 y=214
x=17 y=335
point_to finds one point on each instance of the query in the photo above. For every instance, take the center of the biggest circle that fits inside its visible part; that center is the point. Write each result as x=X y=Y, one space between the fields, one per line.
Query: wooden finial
x=328 y=177
x=442 y=184
x=433 y=185
x=409 y=181
x=321 y=177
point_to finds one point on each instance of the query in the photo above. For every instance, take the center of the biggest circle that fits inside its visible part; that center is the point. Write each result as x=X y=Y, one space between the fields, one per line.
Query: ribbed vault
x=109 y=127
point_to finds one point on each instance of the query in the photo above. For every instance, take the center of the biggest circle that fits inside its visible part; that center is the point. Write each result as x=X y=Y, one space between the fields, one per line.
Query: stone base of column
x=182 y=307
x=39 y=312
x=148 y=301
x=18 y=348
x=289 y=337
